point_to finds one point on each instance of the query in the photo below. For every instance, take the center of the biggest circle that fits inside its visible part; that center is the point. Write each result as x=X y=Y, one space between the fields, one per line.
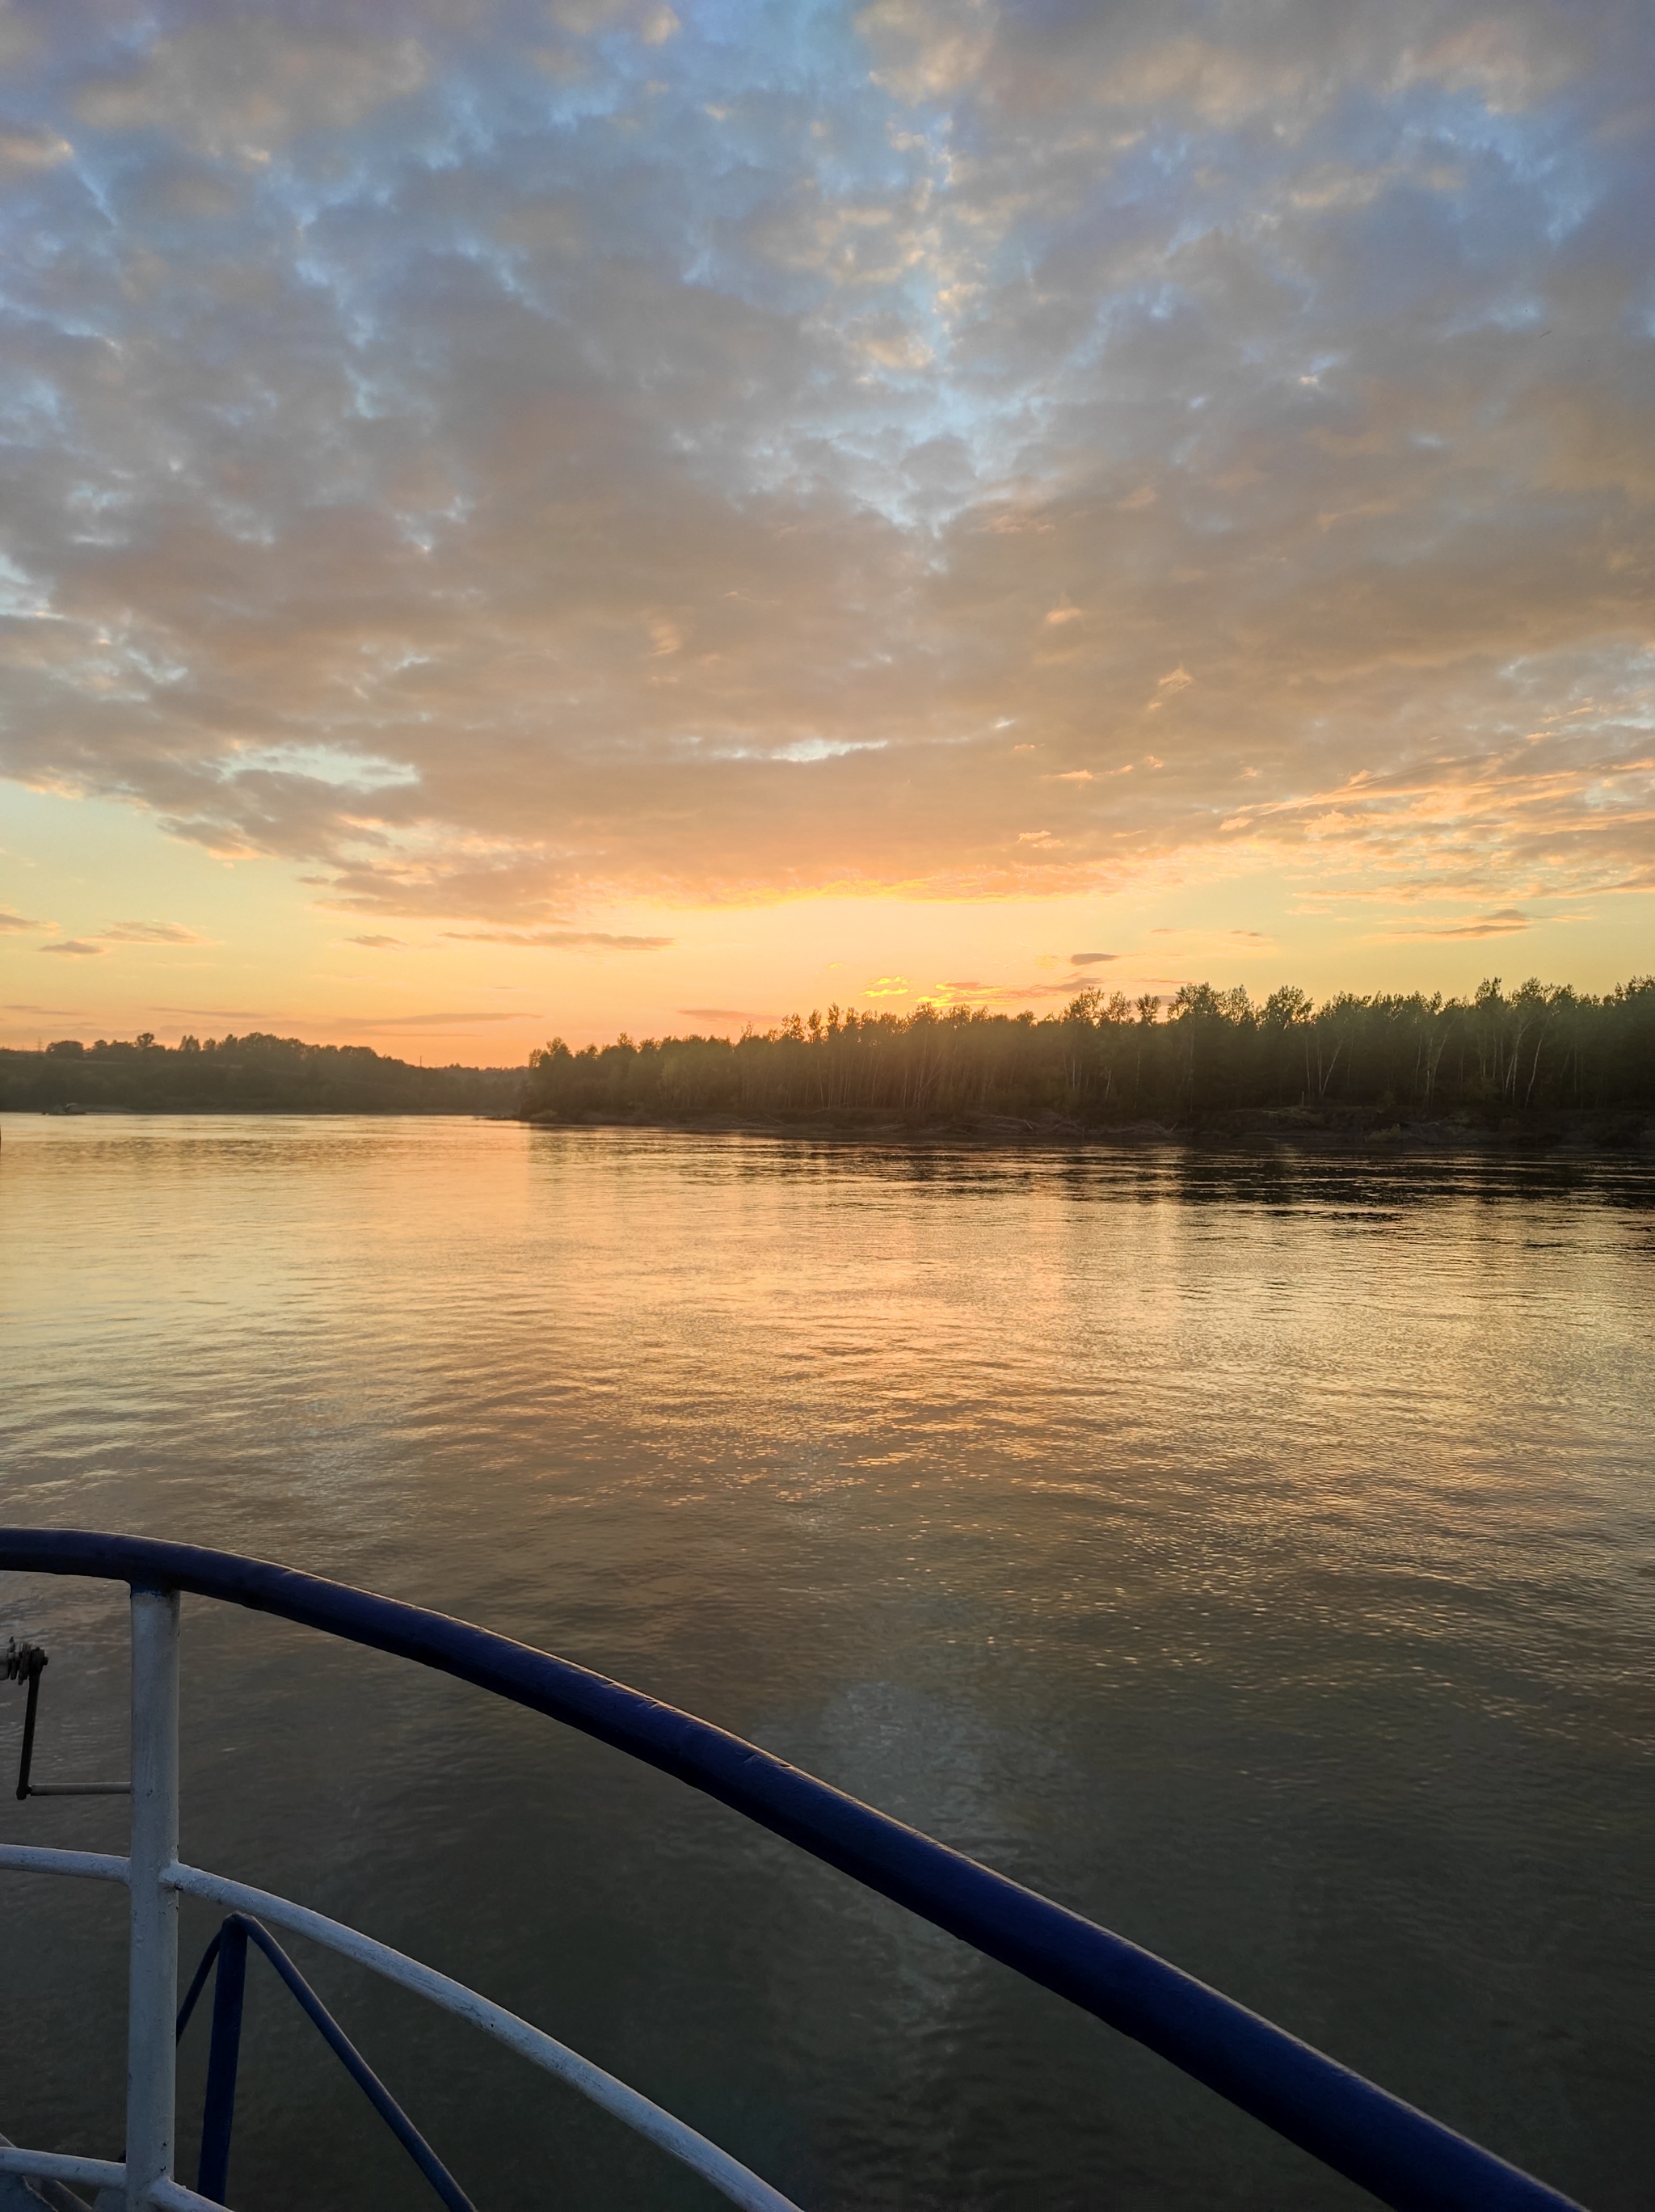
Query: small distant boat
x=66 y=1109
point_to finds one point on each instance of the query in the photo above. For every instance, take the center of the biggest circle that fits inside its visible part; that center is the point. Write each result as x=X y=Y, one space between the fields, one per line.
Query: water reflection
x=1246 y=1548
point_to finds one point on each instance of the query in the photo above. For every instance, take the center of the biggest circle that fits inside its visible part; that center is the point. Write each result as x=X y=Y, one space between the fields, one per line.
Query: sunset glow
x=525 y=519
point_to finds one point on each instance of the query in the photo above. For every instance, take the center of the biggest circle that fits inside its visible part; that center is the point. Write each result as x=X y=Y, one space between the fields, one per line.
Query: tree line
x=257 y=1073
x=1203 y=1055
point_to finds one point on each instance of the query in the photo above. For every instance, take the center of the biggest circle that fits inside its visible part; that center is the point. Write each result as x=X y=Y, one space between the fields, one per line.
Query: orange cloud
x=491 y=542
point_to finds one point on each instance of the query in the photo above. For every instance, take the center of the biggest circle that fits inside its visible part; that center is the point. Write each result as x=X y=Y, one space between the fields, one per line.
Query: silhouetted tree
x=1106 y=1060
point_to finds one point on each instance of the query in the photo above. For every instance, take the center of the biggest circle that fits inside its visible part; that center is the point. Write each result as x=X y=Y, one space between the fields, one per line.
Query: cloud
x=248 y=86
x=10 y=919
x=119 y=932
x=379 y=943
x=561 y=940
x=1000 y=994
x=151 y=932
x=1194 y=942
x=1090 y=959
x=33 y=150
x=494 y=490
x=434 y=1021
x=1505 y=923
x=719 y=1013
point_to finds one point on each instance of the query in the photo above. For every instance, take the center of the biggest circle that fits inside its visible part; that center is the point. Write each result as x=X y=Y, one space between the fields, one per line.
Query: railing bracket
x=25 y=1662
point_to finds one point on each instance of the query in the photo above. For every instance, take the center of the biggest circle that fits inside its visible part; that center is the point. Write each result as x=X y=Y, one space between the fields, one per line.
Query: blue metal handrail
x=227 y=1951
x=1401 y=2155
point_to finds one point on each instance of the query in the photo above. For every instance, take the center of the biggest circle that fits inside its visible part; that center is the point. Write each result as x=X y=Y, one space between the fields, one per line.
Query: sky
x=534 y=518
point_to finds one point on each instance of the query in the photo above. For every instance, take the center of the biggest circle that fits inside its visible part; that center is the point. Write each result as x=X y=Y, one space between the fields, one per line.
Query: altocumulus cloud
x=677 y=452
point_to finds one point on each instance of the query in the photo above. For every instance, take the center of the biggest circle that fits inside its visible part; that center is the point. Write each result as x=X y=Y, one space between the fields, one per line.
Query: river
x=1252 y=1551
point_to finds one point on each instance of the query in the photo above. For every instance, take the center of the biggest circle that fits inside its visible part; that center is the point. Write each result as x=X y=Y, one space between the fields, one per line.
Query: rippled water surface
x=1251 y=1553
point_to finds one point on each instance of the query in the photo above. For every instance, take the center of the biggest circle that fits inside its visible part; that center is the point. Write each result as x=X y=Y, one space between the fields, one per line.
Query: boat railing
x=224 y=1959
x=1398 y=2154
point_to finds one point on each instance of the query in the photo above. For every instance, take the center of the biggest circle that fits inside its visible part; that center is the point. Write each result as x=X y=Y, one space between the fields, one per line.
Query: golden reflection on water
x=1250 y=1551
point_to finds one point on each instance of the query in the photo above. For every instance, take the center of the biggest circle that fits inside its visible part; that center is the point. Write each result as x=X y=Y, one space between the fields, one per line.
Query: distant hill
x=246 y=1075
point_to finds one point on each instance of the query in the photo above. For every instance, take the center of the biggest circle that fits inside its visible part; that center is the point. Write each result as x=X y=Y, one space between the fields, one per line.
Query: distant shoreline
x=1582 y=1135
x=1586 y=1133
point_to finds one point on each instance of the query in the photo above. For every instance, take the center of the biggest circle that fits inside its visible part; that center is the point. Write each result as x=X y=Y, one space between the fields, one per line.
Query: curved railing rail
x=1401 y=2155
x=731 y=2179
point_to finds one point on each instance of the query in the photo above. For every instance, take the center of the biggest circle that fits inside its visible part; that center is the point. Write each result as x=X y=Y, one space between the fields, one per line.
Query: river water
x=1251 y=1553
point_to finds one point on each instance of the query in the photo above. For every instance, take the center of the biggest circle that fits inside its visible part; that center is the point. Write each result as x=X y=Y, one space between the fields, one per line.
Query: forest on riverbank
x=254 y=1074
x=1525 y=1059
x=1204 y=1056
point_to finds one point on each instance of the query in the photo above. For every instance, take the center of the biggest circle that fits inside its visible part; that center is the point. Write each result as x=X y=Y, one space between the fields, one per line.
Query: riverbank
x=1250 y=1129
x=1244 y=1129
x=245 y=1075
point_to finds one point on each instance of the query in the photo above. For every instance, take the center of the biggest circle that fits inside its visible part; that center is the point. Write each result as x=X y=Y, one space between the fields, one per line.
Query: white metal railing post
x=153 y=1975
